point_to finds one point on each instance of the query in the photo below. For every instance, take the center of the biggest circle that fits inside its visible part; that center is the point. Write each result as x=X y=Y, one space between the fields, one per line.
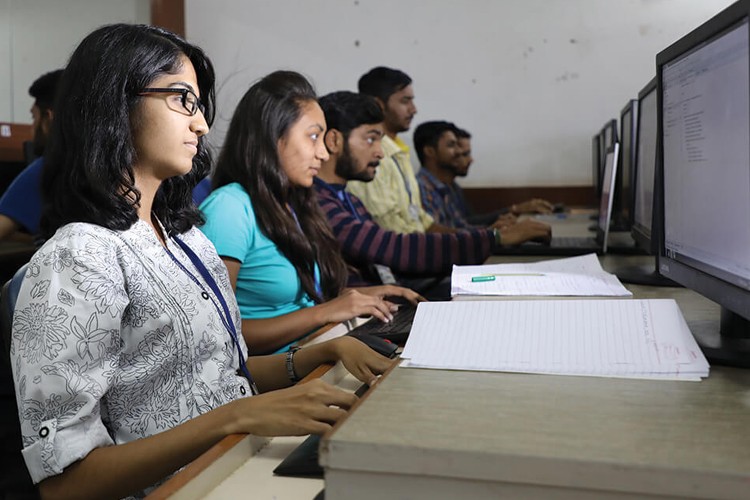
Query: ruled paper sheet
x=580 y=276
x=609 y=338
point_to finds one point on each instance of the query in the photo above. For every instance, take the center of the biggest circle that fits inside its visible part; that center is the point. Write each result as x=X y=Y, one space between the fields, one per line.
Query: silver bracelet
x=290 y=365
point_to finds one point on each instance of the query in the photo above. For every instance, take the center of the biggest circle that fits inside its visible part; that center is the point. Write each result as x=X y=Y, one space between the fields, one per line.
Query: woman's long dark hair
x=88 y=173
x=250 y=157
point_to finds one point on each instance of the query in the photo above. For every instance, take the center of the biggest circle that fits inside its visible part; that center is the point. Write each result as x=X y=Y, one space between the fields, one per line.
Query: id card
x=386 y=275
x=414 y=212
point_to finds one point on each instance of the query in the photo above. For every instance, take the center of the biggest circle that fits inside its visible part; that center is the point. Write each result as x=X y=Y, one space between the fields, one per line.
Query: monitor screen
x=645 y=164
x=704 y=126
x=624 y=183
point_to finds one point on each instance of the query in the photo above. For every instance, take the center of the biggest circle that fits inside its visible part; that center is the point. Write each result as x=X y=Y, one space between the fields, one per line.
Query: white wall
x=37 y=36
x=532 y=80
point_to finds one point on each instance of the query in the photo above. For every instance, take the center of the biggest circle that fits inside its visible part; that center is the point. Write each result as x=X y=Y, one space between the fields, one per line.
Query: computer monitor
x=610 y=133
x=703 y=91
x=623 y=203
x=645 y=169
x=643 y=201
x=607 y=198
x=607 y=140
x=596 y=168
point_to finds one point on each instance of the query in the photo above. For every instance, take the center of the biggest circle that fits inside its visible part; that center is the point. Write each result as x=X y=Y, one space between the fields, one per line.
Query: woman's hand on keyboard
x=352 y=303
x=360 y=360
x=383 y=291
x=310 y=408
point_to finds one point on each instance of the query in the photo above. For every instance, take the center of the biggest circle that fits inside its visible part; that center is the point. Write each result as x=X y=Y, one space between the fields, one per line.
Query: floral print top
x=112 y=341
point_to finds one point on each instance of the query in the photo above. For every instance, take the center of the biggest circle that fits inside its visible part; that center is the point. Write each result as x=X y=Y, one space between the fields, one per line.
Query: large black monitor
x=703 y=91
x=596 y=167
x=607 y=137
x=644 y=206
x=622 y=214
x=645 y=169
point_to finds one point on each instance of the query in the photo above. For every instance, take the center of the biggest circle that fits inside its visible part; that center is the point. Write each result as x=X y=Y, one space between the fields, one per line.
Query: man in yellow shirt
x=392 y=198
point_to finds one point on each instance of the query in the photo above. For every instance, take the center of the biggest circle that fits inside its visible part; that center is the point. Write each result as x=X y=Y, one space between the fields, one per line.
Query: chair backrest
x=14 y=477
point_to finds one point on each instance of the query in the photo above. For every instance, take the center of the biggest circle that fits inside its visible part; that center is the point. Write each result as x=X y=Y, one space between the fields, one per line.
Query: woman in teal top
x=286 y=267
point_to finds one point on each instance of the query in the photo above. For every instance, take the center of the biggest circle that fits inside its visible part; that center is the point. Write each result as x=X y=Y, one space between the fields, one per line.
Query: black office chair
x=15 y=482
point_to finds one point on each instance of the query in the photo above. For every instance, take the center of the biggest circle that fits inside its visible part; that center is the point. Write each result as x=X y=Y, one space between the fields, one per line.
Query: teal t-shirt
x=267 y=284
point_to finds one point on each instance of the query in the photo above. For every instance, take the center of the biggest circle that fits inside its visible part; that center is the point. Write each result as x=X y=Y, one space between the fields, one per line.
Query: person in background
x=21 y=205
x=126 y=357
x=392 y=197
x=441 y=158
x=534 y=205
x=418 y=260
x=283 y=262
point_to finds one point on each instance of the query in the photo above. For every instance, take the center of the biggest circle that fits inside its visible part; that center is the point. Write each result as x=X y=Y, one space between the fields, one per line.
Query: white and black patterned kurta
x=112 y=342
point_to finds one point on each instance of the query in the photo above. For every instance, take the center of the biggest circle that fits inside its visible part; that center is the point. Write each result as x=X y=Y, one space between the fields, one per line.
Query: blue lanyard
x=226 y=318
x=316 y=270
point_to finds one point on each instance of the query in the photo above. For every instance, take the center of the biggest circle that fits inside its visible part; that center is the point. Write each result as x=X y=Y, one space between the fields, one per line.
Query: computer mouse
x=558 y=208
x=377 y=344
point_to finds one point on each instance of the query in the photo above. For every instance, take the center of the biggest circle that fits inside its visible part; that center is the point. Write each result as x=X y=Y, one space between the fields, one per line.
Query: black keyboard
x=303 y=460
x=397 y=331
x=574 y=242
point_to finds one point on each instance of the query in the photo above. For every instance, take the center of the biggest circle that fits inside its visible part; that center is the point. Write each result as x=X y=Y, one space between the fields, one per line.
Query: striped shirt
x=363 y=242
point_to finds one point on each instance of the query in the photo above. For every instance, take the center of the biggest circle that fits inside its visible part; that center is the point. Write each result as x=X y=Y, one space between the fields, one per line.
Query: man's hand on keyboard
x=525 y=230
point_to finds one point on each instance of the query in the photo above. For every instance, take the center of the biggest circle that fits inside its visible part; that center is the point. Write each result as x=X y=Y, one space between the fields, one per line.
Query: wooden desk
x=434 y=434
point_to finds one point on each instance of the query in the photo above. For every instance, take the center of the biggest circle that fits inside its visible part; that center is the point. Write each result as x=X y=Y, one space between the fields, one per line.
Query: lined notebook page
x=577 y=337
x=573 y=276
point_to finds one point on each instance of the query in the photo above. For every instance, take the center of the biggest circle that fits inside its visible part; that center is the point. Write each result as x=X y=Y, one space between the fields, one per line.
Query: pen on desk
x=491 y=277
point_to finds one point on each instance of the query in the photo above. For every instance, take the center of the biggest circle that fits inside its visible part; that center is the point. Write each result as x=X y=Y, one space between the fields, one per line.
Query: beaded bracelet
x=290 y=365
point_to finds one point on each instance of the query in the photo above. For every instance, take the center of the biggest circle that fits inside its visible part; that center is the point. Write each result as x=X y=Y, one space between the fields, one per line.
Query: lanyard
x=316 y=270
x=403 y=176
x=226 y=318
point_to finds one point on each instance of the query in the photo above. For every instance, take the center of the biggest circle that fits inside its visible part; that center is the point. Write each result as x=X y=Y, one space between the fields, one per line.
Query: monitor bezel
x=624 y=202
x=603 y=148
x=728 y=295
x=643 y=237
x=596 y=163
x=604 y=222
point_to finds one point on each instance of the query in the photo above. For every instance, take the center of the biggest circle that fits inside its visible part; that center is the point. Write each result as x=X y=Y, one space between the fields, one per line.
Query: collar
x=432 y=178
x=334 y=188
x=392 y=147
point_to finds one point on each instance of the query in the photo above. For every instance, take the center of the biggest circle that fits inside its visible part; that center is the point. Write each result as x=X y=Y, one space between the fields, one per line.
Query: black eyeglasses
x=189 y=101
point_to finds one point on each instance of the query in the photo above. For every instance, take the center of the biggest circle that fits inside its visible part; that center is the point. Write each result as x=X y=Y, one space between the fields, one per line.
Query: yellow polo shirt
x=392 y=198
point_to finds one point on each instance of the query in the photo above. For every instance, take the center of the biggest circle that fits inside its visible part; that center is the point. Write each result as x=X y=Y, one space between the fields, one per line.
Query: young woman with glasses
x=127 y=357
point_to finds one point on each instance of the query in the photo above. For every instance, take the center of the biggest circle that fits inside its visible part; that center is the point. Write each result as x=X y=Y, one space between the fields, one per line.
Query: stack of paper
x=574 y=276
x=608 y=338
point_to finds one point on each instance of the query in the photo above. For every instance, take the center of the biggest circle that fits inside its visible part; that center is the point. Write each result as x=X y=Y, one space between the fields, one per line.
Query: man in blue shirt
x=20 y=205
x=443 y=158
